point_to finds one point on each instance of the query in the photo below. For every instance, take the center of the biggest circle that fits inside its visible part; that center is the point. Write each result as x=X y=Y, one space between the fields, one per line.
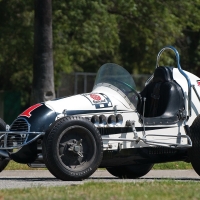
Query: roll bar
x=180 y=70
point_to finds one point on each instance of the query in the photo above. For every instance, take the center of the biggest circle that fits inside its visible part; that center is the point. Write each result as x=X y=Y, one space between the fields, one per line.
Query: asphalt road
x=38 y=178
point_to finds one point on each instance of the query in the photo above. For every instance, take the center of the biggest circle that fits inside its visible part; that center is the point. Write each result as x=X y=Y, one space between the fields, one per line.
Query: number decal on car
x=99 y=100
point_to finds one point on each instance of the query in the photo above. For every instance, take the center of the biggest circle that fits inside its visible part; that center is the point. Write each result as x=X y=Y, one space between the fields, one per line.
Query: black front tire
x=72 y=149
x=194 y=151
x=3 y=161
x=130 y=171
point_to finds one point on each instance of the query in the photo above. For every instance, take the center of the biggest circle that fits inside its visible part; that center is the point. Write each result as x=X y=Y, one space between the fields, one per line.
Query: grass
x=158 y=189
x=171 y=165
x=17 y=166
x=155 y=190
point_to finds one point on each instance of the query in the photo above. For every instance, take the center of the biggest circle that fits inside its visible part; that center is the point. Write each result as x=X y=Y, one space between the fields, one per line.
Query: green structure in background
x=10 y=105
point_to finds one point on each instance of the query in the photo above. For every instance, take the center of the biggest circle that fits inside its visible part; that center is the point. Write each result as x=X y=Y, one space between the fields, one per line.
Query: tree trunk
x=43 y=71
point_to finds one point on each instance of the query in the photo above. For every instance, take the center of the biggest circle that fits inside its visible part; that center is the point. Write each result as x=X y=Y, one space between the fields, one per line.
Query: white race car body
x=111 y=101
x=114 y=126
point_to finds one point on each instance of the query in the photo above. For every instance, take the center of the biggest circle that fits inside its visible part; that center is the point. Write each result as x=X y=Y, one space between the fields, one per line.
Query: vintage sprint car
x=113 y=127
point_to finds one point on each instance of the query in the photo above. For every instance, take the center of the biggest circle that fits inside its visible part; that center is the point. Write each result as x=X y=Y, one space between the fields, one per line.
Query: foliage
x=83 y=31
x=87 y=34
x=16 y=46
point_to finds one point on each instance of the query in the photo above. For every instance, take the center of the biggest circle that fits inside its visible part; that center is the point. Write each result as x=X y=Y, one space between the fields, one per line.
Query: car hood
x=89 y=103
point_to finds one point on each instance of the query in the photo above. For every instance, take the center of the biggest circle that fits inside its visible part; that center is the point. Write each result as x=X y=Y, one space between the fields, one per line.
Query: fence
x=82 y=82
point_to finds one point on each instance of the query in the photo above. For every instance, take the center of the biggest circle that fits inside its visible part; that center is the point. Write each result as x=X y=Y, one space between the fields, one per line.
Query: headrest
x=162 y=74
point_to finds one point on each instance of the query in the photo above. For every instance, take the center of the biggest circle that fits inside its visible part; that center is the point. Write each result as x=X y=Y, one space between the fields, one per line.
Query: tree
x=87 y=34
x=43 y=72
x=16 y=47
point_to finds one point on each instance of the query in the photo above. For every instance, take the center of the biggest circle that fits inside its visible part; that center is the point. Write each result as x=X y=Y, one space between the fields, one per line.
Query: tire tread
x=49 y=140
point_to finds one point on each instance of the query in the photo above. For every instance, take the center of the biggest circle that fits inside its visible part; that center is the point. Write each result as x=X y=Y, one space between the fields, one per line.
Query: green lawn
x=155 y=190
x=158 y=189
x=173 y=165
x=16 y=166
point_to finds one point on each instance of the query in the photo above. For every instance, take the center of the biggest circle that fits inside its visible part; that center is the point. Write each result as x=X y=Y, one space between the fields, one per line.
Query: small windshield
x=117 y=76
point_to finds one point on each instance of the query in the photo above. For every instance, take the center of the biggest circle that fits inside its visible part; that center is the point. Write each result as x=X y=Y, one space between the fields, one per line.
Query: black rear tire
x=194 y=151
x=3 y=161
x=72 y=149
x=130 y=171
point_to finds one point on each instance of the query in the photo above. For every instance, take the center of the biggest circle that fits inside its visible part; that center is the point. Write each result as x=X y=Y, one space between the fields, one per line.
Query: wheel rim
x=76 y=148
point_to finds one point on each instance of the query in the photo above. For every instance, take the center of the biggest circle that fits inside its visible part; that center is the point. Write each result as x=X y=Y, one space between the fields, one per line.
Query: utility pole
x=43 y=70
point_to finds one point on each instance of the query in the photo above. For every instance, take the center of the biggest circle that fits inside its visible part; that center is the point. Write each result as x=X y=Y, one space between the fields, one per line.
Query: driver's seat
x=164 y=99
